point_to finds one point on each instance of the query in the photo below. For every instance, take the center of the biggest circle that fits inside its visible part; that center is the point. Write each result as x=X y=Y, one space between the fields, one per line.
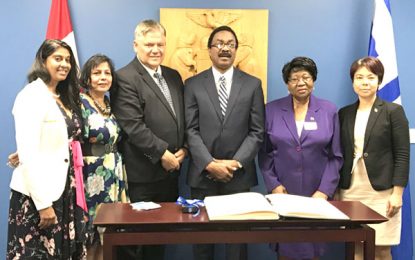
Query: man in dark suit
x=224 y=113
x=148 y=105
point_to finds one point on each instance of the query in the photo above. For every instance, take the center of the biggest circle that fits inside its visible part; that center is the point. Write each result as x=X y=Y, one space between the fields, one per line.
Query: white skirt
x=387 y=233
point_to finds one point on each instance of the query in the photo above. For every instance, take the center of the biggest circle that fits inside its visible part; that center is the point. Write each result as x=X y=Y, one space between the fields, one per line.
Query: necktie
x=164 y=89
x=223 y=95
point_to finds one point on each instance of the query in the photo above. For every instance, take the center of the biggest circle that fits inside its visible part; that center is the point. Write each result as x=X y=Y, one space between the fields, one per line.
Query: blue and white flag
x=382 y=46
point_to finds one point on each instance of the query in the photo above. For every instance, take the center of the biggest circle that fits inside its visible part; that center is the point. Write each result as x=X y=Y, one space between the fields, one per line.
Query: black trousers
x=207 y=251
x=166 y=190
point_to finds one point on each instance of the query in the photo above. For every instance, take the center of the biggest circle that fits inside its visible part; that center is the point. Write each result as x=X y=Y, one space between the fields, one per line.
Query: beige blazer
x=42 y=144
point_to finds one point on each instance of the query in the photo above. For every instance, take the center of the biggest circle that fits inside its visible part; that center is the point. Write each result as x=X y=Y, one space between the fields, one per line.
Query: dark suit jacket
x=238 y=135
x=386 y=145
x=145 y=116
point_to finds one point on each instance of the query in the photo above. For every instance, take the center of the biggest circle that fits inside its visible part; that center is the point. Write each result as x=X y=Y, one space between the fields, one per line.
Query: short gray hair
x=148 y=26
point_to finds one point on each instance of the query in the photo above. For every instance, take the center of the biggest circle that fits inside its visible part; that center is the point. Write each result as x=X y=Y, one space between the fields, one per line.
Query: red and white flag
x=60 y=26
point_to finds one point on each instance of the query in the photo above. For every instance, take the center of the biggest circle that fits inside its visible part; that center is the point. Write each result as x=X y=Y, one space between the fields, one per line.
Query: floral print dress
x=104 y=175
x=64 y=240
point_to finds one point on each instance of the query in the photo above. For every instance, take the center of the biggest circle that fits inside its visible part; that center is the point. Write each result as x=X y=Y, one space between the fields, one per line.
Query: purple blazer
x=302 y=164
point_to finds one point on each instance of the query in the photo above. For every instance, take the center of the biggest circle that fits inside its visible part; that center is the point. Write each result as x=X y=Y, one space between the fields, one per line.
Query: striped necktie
x=164 y=89
x=223 y=95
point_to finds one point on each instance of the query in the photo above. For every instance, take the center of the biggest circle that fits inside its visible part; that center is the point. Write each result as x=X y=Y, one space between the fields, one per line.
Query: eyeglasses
x=221 y=45
x=305 y=79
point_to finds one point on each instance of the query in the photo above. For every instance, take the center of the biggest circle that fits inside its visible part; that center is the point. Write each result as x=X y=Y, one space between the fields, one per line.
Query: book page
x=304 y=207
x=239 y=206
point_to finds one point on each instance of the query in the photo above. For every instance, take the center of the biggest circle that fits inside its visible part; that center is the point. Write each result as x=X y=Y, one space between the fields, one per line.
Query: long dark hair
x=68 y=89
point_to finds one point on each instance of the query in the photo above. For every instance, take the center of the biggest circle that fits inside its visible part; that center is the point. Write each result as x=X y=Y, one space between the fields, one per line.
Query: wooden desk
x=167 y=225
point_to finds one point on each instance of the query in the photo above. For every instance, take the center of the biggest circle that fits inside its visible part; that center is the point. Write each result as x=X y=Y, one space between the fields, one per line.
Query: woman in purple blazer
x=301 y=154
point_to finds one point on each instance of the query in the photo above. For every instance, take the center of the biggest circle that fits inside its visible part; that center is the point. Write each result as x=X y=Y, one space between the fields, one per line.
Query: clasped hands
x=171 y=162
x=222 y=170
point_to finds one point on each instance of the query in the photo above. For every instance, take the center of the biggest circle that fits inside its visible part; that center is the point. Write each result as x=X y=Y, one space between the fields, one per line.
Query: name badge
x=310 y=126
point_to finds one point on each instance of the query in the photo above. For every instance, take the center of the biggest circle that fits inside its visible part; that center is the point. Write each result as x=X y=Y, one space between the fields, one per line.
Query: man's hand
x=279 y=189
x=181 y=154
x=219 y=171
x=233 y=164
x=47 y=218
x=169 y=162
x=319 y=194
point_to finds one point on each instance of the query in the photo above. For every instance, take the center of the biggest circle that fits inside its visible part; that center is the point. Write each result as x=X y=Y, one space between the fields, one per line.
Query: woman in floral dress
x=103 y=170
x=45 y=219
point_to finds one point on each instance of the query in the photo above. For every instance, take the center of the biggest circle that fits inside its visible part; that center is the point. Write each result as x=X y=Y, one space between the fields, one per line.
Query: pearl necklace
x=106 y=111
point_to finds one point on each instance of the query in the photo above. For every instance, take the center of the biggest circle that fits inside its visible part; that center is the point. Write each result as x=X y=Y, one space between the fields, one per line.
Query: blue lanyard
x=190 y=204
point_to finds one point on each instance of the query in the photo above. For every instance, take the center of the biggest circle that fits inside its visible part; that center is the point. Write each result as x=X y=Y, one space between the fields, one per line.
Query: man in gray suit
x=224 y=115
x=148 y=105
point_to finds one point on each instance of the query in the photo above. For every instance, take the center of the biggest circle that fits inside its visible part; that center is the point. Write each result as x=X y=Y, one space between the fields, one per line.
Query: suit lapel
x=235 y=90
x=374 y=114
x=311 y=116
x=210 y=87
x=148 y=79
x=289 y=119
x=350 y=119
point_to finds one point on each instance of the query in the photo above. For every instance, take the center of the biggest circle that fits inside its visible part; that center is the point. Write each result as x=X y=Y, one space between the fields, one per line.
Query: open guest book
x=253 y=205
